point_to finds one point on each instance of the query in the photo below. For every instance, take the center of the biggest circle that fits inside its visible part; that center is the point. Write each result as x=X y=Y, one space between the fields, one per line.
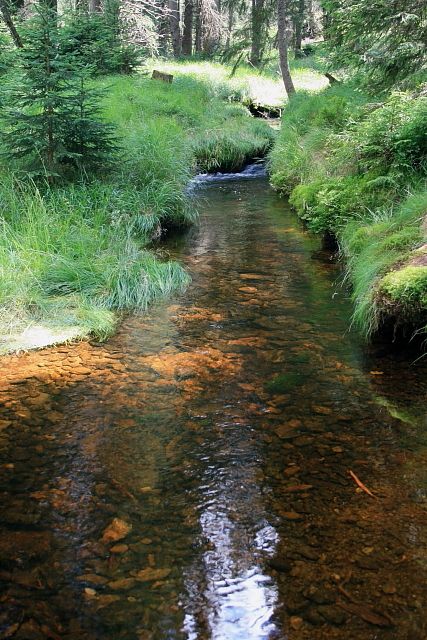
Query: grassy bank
x=73 y=257
x=355 y=166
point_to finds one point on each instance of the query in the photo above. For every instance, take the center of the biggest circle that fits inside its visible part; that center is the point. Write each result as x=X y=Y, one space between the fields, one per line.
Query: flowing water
x=190 y=479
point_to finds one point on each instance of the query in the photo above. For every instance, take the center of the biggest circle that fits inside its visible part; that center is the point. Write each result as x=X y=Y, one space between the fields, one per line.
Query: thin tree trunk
x=198 y=43
x=283 y=46
x=94 y=6
x=163 y=28
x=299 y=22
x=230 y=26
x=187 y=36
x=7 y=18
x=257 y=27
x=174 y=27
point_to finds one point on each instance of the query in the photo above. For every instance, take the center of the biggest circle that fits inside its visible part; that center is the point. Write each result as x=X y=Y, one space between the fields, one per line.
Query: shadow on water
x=190 y=478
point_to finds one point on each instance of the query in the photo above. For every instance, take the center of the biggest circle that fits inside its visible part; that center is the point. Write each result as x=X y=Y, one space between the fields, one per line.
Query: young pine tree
x=52 y=123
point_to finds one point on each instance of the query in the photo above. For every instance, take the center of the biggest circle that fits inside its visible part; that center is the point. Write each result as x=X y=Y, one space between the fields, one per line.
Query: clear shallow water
x=220 y=430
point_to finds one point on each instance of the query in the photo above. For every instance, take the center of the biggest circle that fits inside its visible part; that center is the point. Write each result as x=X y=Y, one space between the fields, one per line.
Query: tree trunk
x=198 y=44
x=283 y=46
x=187 y=36
x=162 y=28
x=257 y=28
x=7 y=18
x=175 y=32
x=299 y=23
x=230 y=26
x=94 y=6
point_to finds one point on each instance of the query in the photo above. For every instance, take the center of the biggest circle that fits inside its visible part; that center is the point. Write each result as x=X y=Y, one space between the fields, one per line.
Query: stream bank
x=354 y=165
x=190 y=477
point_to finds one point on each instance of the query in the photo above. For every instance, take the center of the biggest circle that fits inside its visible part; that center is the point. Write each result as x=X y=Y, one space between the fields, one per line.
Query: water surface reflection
x=190 y=478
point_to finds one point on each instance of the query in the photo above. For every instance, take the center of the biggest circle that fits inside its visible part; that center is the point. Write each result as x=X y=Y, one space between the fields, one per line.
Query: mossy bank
x=355 y=166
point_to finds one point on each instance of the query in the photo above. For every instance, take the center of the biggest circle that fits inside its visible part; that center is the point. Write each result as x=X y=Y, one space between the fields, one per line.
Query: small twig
x=347 y=594
x=122 y=490
x=361 y=485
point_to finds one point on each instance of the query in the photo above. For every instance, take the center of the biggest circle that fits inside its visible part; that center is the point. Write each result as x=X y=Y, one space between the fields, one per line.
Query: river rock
x=282 y=565
x=116 y=530
x=318 y=595
x=122 y=584
x=313 y=617
x=291 y=515
x=92 y=578
x=106 y=600
x=150 y=574
x=296 y=622
x=20 y=545
x=292 y=470
x=332 y=614
x=119 y=548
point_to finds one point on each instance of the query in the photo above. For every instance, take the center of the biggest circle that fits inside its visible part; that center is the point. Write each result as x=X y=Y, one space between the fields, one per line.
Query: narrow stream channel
x=190 y=479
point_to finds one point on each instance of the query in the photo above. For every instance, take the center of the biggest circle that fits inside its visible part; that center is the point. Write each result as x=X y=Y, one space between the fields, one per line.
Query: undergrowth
x=355 y=165
x=75 y=255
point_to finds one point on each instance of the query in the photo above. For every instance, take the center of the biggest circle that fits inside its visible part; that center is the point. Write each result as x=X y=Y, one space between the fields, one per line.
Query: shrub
x=53 y=122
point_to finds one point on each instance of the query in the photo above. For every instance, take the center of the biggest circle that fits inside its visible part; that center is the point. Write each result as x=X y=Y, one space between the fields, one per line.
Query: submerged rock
x=150 y=574
x=116 y=530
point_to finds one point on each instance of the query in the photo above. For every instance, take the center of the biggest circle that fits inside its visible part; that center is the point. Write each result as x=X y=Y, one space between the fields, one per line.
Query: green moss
x=285 y=382
x=407 y=286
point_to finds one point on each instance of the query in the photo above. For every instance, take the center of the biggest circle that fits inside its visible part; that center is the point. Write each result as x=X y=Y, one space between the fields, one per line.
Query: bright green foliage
x=52 y=123
x=74 y=255
x=350 y=164
x=386 y=39
x=406 y=286
x=347 y=163
x=373 y=247
x=63 y=263
x=6 y=53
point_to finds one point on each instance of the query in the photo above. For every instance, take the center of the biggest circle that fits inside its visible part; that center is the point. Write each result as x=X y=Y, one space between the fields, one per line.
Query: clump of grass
x=65 y=265
x=406 y=286
x=373 y=248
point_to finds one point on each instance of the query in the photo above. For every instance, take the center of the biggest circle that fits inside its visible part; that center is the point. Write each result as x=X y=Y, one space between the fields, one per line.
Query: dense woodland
x=95 y=156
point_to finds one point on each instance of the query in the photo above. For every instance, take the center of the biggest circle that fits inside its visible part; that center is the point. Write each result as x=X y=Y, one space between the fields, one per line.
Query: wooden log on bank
x=164 y=77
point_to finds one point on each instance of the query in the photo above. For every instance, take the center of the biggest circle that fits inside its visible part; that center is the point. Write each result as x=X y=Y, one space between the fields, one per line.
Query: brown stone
x=296 y=622
x=93 y=578
x=150 y=574
x=116 y=530
x=122 y=584
x=119 y=548
x=292 y=470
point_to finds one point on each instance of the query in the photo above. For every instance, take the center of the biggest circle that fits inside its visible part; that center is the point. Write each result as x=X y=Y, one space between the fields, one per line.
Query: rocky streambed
x=233 y=465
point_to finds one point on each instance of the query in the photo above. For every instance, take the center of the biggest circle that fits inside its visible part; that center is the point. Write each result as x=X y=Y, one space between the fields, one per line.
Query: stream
x=190 y=478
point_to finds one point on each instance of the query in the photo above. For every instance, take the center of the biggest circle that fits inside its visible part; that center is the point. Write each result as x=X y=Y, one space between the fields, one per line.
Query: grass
x=64 y=266
x=355 y=165
x=73 y=257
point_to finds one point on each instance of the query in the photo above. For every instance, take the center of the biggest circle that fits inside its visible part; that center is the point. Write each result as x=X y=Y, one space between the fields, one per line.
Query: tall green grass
x=75 y=256
x=375 y=251
x=348 y=163
x=63 y=264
